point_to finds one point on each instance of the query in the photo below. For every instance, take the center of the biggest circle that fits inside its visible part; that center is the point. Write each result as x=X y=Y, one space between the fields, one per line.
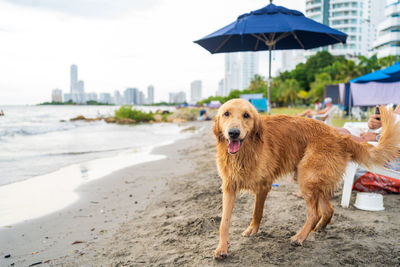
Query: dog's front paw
x=251 y=230
x=221 y=253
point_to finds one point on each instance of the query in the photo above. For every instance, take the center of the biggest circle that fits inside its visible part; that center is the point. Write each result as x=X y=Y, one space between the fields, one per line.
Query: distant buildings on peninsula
x=130 y=96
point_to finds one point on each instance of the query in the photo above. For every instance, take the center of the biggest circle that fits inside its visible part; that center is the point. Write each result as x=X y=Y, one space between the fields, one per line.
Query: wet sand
x=176 y=218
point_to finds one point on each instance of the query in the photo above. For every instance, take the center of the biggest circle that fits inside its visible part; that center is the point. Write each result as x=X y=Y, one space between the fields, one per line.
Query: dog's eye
x=246 y=115
x=226 y=114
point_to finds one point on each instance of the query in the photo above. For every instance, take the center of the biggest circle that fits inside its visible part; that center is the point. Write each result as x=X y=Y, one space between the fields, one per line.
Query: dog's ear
x=258 y=129
x=217 y=130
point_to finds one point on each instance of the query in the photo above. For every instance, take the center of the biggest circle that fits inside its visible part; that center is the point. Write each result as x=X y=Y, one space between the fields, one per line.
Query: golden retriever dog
x=254 y=150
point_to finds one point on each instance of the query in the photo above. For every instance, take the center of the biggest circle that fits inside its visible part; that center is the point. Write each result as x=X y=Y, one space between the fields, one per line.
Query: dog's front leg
x=228 y=200
x=257 y=213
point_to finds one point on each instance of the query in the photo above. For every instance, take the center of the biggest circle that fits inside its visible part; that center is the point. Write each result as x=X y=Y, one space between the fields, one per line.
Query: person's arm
x=368 y=137
x=319 y=112
x=373 y=122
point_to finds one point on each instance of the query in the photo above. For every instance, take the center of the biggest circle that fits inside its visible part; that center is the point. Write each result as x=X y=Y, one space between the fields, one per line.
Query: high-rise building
x=105 y=98
x=388 y=41
x=374 y=14
x=56 y=95
x=240 y=69
x=195 y=91
x=67 y=97
x=74 y=77
x=179 y=97
x=129 y=96
x=91 y=96
x=221 y=88
x=118 y=99
x=133 y=96
x=249 y=68
x=232 y=72
x=150 y=94
x=357 y=18
x=139 y=97
x=290 y=59
x=77 y=93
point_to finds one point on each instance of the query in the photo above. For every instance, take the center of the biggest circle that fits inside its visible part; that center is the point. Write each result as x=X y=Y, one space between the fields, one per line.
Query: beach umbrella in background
x=271 y=28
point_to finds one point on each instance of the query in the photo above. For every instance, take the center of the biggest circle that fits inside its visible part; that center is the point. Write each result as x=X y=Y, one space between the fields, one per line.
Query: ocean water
x=35 y=140
x=44 y=156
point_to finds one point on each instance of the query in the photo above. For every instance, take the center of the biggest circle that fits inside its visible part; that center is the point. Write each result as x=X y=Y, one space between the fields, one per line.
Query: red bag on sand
x=374 y=183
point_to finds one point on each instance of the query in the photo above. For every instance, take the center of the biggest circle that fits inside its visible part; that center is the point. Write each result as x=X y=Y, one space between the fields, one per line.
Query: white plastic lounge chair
x=357 y=113
x=348 y=178
x=329 y=114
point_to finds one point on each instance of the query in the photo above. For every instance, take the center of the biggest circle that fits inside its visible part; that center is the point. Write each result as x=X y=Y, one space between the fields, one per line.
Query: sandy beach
x=167 y=213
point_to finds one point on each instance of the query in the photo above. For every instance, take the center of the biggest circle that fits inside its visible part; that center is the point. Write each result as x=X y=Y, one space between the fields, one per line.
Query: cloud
x=95 y=9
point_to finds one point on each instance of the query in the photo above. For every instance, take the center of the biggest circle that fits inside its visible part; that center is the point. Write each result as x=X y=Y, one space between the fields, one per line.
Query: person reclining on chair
x=374 y=123
x=309 y=112
x=367 y=181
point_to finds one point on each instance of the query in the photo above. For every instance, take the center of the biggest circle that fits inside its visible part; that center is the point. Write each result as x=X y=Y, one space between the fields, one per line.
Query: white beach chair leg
x=348 y=178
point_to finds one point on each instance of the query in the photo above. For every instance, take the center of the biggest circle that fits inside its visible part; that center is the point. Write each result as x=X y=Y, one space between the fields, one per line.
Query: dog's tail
x=387 y=148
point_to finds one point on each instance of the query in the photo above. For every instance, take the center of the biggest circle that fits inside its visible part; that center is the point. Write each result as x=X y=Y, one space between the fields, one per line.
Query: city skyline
x=112 y=48
x=113 y=51
x=77 y=94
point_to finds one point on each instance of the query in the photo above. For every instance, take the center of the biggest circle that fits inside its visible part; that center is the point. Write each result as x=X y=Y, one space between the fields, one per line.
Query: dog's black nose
x=234 y=133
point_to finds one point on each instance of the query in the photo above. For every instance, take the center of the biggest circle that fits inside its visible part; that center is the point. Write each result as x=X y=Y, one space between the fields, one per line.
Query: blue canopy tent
x=377 y=88
x=387 y=75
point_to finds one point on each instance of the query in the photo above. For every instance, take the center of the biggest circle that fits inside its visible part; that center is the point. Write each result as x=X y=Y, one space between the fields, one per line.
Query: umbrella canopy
x=271 y=28
x=387 y=75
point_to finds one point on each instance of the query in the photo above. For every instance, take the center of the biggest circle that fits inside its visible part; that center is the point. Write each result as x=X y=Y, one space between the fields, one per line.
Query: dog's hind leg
x=312 y=218
x=326 y=212
x=260 y=197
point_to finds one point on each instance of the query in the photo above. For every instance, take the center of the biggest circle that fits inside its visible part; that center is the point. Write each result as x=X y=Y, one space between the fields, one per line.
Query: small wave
x=36 y=130
x=75 y=153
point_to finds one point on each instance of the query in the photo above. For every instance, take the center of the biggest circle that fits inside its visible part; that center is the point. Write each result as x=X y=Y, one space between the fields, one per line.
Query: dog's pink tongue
x=233 y=146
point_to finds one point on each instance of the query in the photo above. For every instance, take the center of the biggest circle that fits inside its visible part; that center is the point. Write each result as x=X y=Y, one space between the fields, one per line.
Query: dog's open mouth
x=234 y=146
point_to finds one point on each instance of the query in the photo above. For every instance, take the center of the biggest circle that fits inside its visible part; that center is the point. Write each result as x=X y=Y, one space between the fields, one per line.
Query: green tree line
x=305 y=84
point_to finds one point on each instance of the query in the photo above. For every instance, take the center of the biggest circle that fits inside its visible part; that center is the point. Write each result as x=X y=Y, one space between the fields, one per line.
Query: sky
x=115 y=43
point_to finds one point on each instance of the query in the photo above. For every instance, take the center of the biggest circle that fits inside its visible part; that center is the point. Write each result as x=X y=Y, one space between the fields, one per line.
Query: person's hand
x=373 y=122
x=368 y=136
x=397 y=109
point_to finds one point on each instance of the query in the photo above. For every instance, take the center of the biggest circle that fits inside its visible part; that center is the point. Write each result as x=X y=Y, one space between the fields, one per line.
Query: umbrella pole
x=269 y=84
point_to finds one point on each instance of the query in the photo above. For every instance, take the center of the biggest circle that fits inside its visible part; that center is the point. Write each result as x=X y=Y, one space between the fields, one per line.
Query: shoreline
x=176 y=219
x=50 y=192
x=102 y=205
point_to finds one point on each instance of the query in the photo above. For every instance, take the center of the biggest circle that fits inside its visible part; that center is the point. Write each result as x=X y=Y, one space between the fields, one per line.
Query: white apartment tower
x=150 y=94
x=179 y=97
x=74 y=77
x=388 y=41
x=77 y=93
x=195 y=91
x=357 y=18
x=232 y=72
x=56 y=95
x=240 y=69
x=221 y=88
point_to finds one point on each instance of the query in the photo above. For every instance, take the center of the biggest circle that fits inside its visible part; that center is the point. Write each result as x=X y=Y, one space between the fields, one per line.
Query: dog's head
x=237 y=120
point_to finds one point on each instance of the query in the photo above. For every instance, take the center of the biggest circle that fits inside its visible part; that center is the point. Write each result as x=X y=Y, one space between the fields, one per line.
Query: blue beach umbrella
x=386 y=75
x=271 y=28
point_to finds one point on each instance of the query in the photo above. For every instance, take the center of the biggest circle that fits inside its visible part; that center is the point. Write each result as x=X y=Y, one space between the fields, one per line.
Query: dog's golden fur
x=273 y=146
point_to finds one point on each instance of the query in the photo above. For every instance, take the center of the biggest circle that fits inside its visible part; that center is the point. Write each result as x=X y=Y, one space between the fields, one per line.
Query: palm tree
x=388 y=61
x=257 y=84
x=367 y=65
x=348 y=70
